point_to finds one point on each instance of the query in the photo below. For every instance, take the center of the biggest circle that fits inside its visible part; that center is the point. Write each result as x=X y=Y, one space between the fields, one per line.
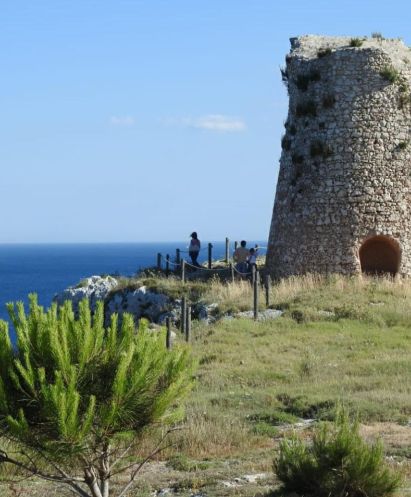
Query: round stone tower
x=343 y=193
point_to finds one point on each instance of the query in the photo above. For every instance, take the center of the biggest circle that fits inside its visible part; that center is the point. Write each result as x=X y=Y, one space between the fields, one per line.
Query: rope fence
x=258 y=283
x=179 y=263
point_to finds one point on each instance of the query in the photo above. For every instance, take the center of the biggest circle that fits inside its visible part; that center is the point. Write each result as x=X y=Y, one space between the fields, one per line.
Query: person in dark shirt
x=194 y=248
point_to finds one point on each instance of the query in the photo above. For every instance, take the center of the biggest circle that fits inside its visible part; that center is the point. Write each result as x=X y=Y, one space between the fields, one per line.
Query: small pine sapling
x=75 y=396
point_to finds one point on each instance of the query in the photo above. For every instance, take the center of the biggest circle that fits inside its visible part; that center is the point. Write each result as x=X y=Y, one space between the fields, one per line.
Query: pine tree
x=76 y=396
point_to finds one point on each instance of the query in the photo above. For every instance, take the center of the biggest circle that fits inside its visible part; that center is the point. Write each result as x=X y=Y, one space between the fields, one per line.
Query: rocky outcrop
x=155 y=307
x=93 y=288
x=343 y=193
x=140 y=302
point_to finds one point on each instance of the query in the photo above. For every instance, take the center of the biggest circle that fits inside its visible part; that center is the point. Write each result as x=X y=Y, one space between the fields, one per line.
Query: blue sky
x=145 y=120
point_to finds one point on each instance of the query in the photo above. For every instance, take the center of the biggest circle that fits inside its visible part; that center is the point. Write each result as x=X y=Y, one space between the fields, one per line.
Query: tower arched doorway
x=380 y=255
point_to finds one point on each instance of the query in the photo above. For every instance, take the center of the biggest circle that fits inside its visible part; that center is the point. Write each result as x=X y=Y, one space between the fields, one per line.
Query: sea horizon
x=50 y=267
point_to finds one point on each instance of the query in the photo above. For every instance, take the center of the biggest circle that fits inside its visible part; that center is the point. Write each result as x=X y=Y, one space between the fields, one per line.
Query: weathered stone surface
x=345 y=166
x=139 y=302
x=93 y=288
x=266 y=315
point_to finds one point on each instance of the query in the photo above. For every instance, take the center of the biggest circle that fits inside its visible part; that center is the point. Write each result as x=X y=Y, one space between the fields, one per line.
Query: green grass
x=390 y=74
x=356 y=42
x=337 y=462
x=323 y=52
x=171 y=286
x=340 y=341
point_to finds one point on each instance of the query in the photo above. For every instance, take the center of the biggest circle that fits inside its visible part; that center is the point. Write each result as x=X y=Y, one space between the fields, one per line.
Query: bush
x=293 y=130
x=285 y=143
x=307 y=108
x=338 y=463
x=76 y=395
x=319 y=148
x=323 y=52
x=181 y=462
x=297 y=159
x=390 y=74
x=405 y=96
x=356 y=42
x=328 y=101
x=303 y=80
x=404 y=101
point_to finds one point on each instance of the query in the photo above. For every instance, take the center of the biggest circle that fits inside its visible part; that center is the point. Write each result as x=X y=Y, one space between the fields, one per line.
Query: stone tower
x=343 y=194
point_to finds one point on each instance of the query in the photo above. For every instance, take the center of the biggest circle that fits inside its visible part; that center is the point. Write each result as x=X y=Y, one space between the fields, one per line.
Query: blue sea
x=47 y=269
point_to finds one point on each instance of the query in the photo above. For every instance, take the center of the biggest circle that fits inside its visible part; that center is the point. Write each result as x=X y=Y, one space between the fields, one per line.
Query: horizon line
x=122 y=242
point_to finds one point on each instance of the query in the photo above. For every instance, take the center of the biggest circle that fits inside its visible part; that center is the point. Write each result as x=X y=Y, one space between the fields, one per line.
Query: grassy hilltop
x=339 y=341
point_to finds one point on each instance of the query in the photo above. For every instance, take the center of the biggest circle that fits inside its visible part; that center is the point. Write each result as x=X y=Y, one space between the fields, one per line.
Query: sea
x=48 y=269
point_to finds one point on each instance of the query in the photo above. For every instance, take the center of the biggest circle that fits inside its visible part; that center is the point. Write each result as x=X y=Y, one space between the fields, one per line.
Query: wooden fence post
x=168 y=335
x=227 y=250
x=210 y=255
x=232 y=272
x=178 y=257
x=183 y=270
x=167 y=265
x=255 y=287
x=235 y=245
x=253 y=274
x=183 y=315
x=188 y=323
x=159 y=261
x=267 y=289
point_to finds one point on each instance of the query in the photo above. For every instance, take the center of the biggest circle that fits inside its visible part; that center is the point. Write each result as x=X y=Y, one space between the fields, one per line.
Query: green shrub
x=303 y=80
x=284 y=75
x=297 y=159
x=208 y=359
x=273 y=417
x=181 y=462
x=307 y=108
x=356 y=42
x=404 y=98
x=323 y=52
x=328 y=101
x=315 y=75
x=403 y=145
x=390 y=74
x=303 y=407
x=338 y=463
x=285 y=143
x=293 y=130
x=73 y=392
x=319 y=148
x=377 y=35
x=265 y=429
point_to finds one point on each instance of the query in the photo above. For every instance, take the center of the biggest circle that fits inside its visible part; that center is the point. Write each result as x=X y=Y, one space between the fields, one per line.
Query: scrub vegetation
x=339 y=342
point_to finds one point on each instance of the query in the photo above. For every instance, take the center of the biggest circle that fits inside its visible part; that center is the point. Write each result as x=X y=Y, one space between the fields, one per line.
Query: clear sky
x=144 y=120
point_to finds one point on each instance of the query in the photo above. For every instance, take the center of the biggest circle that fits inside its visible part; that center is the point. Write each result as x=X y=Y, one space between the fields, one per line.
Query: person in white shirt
x=252 y=259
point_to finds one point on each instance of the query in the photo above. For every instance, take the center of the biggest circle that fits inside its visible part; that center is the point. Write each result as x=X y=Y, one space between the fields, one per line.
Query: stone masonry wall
x=346 y=161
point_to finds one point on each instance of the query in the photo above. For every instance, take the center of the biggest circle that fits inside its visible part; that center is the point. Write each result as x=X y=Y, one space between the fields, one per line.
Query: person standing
x=252 y=259
x=194 y=248
x=240 y=257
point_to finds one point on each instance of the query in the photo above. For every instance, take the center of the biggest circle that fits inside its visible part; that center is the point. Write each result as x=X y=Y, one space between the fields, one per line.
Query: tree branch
x=35 y=471
x=157 y=449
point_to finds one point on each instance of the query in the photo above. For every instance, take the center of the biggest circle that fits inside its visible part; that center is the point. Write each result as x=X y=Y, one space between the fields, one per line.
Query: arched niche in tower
x=380 y=255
